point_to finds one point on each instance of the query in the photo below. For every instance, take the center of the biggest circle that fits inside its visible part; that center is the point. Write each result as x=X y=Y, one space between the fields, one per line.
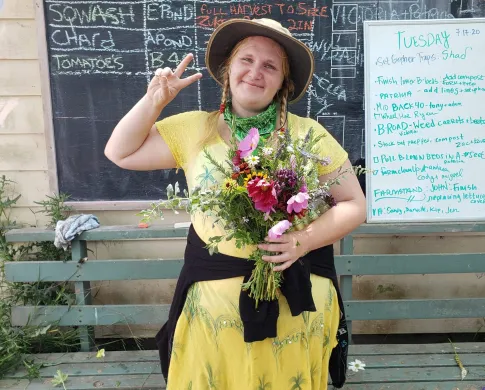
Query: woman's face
x=255 y=75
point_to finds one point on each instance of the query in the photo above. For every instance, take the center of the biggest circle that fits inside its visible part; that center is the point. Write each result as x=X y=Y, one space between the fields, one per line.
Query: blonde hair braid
x=283 y=95
x=225 y=92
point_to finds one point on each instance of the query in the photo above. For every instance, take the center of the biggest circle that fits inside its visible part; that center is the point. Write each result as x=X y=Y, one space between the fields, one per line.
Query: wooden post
x=83 y=296
x=347 y=248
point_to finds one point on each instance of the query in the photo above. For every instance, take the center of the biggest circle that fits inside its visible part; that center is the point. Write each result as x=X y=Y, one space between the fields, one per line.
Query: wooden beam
x=442 y=263
x=92 y=270
x=411 y=309
x=90 y=315
x=133 y=232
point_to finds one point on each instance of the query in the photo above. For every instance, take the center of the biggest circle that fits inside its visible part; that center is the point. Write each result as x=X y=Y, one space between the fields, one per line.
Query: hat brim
x=228 y=34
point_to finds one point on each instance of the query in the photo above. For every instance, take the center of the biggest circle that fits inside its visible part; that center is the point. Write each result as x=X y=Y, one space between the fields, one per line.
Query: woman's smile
x=253 y=85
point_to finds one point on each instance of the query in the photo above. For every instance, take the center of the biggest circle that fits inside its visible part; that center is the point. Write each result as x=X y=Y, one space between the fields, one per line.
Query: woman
x=214 y=337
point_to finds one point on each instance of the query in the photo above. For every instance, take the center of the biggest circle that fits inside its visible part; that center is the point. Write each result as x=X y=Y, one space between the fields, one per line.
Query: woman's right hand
x=166 y=84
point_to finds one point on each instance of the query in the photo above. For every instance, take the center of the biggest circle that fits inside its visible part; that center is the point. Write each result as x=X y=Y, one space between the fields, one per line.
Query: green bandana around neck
x=265 y=122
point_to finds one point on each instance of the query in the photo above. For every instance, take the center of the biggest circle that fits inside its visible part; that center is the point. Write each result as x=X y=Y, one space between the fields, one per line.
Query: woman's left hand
x=289 y=248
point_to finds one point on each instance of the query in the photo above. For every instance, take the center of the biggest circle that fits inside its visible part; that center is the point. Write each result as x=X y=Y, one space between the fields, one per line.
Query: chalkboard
x=102 y=54
x=425 y=122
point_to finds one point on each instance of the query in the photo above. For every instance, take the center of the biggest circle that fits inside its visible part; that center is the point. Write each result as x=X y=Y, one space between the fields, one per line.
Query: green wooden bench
x=389 y=366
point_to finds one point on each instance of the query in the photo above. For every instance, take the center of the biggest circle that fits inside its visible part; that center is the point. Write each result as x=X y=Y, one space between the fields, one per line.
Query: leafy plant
x=59 y=379
x=15 y=342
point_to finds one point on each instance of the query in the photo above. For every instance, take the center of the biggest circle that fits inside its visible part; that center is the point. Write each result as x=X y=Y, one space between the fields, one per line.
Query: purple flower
x=277 y=230
x=249 y=144
x=297 y=203
x=286 y=178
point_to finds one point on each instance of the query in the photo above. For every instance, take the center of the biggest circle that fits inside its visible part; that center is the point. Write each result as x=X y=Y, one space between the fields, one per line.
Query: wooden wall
x=23 y=156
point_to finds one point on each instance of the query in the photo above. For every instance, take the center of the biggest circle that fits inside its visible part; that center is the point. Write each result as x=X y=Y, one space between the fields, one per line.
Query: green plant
x=17 y=341
x=59 y=379
x=7 y=252
x=55 y=208
x=41 y=293
x=33 y=369
x=11 y=344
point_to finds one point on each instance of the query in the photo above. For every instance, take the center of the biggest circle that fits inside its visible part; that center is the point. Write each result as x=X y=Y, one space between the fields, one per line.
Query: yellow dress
x=208 y=350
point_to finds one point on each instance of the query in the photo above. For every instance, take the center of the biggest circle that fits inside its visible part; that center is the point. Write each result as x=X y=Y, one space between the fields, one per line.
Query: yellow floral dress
x=208 y=350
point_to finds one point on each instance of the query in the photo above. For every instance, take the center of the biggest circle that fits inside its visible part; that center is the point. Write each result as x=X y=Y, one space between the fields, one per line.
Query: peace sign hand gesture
x=166 y=84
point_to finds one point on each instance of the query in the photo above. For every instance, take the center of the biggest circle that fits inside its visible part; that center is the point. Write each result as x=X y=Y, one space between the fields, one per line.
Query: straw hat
x=229 y=33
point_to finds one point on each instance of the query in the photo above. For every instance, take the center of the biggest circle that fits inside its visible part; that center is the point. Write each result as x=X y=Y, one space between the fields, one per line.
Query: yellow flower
x=100 y=353
x=253 y=176
x=229 y=184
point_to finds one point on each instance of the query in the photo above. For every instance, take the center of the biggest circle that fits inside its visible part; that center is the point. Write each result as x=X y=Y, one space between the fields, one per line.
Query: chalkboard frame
x=368 y=157
x=46 y=95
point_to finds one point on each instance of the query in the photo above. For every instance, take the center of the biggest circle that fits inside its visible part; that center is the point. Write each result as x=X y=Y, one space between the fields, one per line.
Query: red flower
x=263 y=194
x=299 y=215
x=243 y=170
x=283 y=197
x=236 y=160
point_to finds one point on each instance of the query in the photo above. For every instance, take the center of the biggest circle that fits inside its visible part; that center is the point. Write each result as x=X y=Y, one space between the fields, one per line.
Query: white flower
x=245 y=219
x=356 y=365
x=252 y=161
x=267 y=151
x=290 y=149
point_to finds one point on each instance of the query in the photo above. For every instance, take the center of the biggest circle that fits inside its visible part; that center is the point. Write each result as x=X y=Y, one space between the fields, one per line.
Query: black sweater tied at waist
x=259 y=323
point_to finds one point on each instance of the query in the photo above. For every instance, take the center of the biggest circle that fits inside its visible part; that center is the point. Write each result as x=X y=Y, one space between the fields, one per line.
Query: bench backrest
x=348 y=264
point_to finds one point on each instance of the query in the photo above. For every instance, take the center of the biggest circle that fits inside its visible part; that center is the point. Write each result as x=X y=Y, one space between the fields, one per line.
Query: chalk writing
x=93 y=14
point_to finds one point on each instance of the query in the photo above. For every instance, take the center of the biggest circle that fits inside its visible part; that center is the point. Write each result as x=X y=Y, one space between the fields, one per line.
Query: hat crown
x=272 y=24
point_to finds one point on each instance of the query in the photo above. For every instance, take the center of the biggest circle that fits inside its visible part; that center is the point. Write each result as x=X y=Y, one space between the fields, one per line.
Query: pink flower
x=249 y=144
x=263 y=194
x=277 y=230
x=297 y=203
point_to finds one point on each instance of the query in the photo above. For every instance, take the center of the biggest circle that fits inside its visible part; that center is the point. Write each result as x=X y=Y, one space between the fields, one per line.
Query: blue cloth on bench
x=68 y=229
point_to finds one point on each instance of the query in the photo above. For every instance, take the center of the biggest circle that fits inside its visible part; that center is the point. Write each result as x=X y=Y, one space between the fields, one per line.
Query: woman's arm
x=339 y=221
x=135 y=143
x=330 y=227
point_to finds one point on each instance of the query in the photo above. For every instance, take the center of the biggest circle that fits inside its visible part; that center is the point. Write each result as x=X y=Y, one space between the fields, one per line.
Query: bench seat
x=392 y=367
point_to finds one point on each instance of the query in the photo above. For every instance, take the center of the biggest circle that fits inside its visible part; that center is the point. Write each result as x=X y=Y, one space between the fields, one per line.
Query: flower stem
x=264 y=282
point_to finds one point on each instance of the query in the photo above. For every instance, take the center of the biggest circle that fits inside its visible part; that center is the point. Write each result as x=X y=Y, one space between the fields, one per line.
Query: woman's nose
x=255 y=72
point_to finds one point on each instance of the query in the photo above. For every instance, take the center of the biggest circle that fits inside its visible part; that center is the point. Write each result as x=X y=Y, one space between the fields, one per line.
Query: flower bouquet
x=269 y=187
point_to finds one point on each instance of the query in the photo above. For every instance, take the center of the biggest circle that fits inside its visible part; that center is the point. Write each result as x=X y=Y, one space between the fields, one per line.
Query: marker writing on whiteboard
x=423 y=40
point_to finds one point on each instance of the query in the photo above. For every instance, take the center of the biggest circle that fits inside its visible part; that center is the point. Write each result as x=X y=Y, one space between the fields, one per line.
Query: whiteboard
x=425 y=120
